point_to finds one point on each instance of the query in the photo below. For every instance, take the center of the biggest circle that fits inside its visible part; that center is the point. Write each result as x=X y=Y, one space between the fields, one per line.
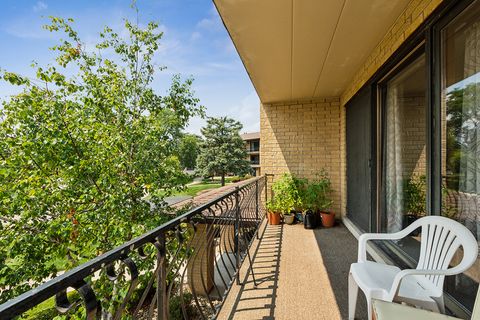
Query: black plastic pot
x=310 y=220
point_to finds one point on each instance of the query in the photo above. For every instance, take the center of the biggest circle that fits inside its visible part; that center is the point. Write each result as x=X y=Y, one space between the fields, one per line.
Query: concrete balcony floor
x=301 y=274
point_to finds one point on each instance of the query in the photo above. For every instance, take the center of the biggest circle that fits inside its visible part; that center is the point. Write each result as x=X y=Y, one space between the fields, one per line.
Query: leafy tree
x=188 y=150
x=223 y=150
x=84 y=158
x=463 y=123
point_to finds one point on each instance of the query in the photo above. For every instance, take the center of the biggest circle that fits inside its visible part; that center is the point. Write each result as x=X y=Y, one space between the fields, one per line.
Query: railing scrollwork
x=182 y=269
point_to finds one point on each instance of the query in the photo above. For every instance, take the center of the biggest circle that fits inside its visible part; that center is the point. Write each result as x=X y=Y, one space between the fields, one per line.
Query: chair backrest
x=441 y=237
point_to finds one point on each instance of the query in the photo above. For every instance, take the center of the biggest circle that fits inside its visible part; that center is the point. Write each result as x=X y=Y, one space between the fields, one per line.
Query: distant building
x=252 y=143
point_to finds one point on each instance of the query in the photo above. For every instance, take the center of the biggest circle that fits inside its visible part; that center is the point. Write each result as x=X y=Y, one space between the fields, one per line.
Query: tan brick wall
x=413 y=136
x=302 y=137
x=411 y=18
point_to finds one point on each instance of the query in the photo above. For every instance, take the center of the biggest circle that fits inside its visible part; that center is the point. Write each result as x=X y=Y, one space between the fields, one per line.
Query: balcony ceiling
x=304 y=49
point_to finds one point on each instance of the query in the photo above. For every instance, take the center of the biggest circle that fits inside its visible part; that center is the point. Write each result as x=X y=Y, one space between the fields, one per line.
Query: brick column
x=227 y=239
x=202 y=262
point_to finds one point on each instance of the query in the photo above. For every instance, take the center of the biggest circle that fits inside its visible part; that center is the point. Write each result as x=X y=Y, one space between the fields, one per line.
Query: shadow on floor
x=258 y=302
x=338 y=248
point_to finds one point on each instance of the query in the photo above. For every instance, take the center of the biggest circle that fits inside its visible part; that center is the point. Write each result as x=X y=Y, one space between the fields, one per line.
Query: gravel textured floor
x=301 y=274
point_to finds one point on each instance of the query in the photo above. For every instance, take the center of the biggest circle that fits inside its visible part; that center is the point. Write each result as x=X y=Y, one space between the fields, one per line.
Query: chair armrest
x=418 y=272
x=362 y=240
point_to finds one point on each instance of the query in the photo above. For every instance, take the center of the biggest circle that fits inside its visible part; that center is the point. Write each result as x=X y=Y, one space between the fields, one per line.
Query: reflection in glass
x=461 y=136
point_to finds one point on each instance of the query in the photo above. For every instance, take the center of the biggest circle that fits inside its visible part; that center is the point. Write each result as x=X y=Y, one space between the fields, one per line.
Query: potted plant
x=301 y=185
x=317 y=197
x=289 y=217
x=273 y=214
x=286 y=196
x=414 y=192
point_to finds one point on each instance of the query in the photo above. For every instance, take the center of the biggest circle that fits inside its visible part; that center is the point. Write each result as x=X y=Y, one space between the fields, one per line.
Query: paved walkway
x=173 y=200
x=211 y=194
x=301 y=274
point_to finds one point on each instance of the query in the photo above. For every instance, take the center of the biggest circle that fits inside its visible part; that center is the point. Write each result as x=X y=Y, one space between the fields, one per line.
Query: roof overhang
x=305 y=49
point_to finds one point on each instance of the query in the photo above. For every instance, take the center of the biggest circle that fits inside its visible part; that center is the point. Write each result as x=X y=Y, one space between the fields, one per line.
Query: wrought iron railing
x=182 y=269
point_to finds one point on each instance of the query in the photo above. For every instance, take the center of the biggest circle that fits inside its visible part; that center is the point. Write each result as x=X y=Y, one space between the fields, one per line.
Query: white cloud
x=212 y=22
x=195 y=124
x=39 y=6
x=26 y=29
x=229 y=47
x=247 y=112
x=230 y=66
x=195 y=36
x=207 y=23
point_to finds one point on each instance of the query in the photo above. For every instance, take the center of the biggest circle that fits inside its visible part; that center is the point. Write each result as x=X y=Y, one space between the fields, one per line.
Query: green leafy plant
x=301 y=185
x=286 y=194
x=449 y=209
x=414 y=191
x=272 y=206
x=188 y=150
x=317 y=194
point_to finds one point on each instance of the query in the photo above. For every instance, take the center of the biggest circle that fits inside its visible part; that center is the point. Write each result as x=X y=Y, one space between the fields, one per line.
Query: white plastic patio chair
x=423 y=286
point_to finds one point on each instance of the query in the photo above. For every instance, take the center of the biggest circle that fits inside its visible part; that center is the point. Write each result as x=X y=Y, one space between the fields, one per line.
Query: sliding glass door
x=430 y=141
x=460 y=135
x=404 y=145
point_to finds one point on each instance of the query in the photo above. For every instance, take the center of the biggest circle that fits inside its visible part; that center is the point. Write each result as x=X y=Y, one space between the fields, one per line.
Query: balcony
x=220 y=260
x=182 y=269
x=253 y=151
x=206 y=263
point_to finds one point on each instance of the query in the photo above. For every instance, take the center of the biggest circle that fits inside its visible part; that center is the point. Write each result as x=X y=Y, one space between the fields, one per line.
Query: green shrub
x=318 y=191
x=46 y=310
x=286 y=193
x=176 y=312
x=414 y=191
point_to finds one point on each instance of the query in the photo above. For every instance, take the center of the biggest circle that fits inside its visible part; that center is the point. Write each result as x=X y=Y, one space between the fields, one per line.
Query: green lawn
x=206 y=184
x=193 y=190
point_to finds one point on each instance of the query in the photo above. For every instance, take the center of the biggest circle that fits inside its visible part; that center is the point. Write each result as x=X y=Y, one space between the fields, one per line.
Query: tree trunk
x=223 y=179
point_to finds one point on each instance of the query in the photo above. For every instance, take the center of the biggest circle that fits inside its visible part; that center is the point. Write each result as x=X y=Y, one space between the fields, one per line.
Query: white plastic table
x=383 y=310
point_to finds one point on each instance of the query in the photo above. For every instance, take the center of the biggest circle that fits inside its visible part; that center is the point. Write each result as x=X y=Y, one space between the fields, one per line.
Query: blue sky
x=195 y=43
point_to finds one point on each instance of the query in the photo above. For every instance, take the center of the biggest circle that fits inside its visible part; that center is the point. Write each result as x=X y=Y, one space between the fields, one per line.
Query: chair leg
x=439 y=305
x=369 y=307
x=352 y=296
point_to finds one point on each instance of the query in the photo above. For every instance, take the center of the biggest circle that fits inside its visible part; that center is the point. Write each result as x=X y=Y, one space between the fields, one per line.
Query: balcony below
x=300 y=274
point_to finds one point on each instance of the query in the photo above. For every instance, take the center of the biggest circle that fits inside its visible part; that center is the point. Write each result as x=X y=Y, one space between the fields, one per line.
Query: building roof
x=297 y=50
x=250 y=135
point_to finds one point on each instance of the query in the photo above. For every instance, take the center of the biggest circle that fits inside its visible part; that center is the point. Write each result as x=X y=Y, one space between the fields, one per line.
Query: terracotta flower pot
x=274 y=218
x=328 y=219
